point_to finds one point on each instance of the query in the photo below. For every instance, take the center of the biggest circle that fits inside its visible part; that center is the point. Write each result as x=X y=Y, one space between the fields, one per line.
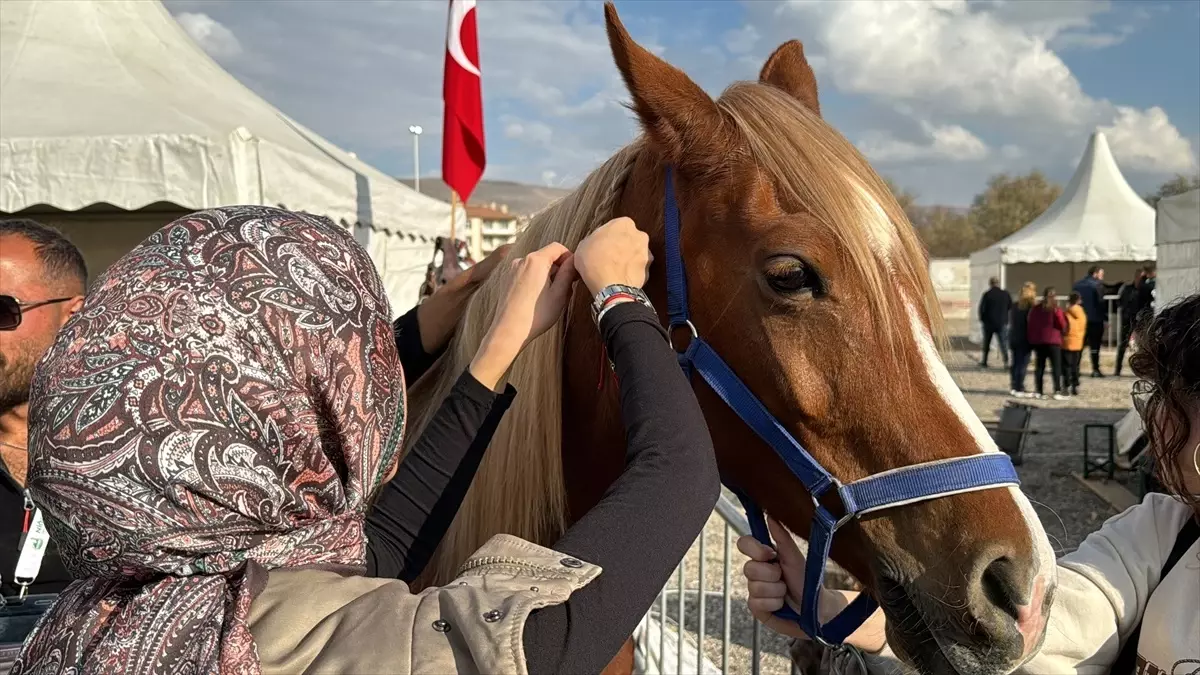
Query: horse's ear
x=676 y=113
x=788 y=70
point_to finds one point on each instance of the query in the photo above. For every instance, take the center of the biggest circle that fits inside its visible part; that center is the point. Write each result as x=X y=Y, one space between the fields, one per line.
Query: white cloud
x=210 y=34
x=989 y=65
x=950 y=142
x=1147 y=141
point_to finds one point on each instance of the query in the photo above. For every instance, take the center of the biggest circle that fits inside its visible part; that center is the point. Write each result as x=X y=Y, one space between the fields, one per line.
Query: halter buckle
x=686 y=323
x=849 y=512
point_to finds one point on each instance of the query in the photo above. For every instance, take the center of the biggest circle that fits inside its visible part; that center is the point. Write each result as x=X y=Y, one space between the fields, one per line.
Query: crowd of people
x=201 y=461
x=1038 y=329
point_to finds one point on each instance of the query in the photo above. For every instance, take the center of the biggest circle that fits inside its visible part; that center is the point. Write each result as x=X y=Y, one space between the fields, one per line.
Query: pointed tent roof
x=1097 y=218
x=109 y=101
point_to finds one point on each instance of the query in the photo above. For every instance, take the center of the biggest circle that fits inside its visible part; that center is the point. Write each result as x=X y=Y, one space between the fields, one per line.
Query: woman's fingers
x=762 y=571
x=767 y=589
x=754 y=549
x=785 y=545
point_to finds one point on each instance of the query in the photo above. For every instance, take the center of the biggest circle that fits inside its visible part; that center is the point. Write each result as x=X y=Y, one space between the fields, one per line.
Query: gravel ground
x=1068 y=510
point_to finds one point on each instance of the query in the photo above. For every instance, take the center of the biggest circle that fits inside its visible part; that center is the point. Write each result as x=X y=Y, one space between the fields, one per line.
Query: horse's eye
x=789 y=275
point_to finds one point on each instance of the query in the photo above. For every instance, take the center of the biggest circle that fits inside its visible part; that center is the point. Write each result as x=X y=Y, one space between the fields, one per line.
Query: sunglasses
x=11 y=309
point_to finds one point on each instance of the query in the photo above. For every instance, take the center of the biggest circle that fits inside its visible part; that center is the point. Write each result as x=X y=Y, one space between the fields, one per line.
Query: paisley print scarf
x=224 y=404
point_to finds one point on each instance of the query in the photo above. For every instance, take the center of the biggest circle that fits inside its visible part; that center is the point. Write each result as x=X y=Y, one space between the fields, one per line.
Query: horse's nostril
x=1001 y=582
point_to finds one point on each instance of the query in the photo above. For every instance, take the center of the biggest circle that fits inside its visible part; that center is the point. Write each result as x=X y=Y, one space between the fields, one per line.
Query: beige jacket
x=312 y=621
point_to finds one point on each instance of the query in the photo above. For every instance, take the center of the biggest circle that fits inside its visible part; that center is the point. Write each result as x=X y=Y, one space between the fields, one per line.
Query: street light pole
x=415 y=130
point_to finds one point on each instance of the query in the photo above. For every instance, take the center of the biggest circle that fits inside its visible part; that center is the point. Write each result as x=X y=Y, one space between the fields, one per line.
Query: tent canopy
x=109 y=101
x=1097 y=218
x=1178 y=247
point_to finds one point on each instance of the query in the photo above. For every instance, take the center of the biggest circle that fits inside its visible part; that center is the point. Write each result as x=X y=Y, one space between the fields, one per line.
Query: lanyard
x=34 y=540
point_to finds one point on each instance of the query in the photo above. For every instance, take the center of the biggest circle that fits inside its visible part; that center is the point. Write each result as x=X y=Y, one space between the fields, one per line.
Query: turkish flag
x=463 y=156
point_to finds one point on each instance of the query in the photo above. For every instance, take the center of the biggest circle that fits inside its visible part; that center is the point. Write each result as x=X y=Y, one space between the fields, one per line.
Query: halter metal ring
x=671 y=331
x=817 y=506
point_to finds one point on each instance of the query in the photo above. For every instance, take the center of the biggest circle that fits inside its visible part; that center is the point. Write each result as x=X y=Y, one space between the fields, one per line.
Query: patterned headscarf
x=224 y=404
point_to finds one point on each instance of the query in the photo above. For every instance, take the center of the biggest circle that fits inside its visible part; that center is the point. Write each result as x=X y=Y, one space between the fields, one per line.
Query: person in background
x=1018 y=338
x=1045 y=330
x=42 y=282
x=1126 y=598
x=994 y=307
x=1128 y=304
x=1091 y=295
x=1073 y=344
x=1146 y=293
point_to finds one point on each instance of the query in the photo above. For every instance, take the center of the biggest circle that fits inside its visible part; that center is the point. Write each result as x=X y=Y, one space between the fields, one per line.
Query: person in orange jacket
x=1073 y=343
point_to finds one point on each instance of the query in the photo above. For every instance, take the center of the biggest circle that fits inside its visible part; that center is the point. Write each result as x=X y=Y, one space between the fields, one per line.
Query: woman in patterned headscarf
x=224 y=405
x=207 y=432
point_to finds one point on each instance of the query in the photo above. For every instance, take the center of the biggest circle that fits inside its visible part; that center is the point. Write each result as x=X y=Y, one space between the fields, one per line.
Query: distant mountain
x=521 y=199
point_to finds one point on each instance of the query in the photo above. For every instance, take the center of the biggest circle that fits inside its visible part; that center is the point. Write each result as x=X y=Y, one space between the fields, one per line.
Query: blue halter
x=897 y=487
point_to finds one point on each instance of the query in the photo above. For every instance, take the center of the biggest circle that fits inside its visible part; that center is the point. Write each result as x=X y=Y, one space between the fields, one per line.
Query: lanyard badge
x=34 y=541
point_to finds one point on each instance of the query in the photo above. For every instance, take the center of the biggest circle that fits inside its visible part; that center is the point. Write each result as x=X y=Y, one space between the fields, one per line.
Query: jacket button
x=493 y=616
x=570 y=562
x=441 y=626
x=535 y=589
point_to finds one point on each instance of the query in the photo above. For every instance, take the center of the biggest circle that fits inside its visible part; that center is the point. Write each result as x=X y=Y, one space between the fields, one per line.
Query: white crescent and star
x=458 y=14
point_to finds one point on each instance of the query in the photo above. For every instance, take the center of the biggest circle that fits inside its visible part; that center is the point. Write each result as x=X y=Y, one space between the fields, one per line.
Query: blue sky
x=939 y=94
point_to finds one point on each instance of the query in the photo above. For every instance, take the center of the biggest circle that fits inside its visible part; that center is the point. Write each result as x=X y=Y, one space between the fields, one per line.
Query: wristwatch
x=604 y=300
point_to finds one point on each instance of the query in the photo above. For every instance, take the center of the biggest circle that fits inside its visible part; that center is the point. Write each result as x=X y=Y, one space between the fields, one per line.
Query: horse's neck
x=593 y=445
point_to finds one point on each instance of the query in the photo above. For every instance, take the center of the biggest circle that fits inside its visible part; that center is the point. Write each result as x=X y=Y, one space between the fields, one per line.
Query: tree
x=947 y=232
x=906 y=198
x=1176 y=186
x=1010 y=203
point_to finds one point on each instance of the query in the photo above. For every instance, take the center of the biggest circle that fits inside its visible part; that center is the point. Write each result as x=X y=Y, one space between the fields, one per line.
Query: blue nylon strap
x=850 y=618
x=721 y=378
x=677 y=294
x=925 y=481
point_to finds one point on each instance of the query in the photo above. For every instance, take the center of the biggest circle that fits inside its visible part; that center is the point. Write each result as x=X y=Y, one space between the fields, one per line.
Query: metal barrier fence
x=673 y=637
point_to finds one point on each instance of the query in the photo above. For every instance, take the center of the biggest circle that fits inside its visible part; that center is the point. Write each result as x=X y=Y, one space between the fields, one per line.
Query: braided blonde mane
x=519 y=488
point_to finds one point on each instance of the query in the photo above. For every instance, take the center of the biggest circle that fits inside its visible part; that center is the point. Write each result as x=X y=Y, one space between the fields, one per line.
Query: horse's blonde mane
x=519 y=487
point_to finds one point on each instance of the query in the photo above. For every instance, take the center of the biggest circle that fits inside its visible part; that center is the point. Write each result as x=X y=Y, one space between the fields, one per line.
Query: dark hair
x=60 y=258
x=1047 y=292
x=1167 y=362
x=1073 y=298
x=1149 y=269
x=1092 y=270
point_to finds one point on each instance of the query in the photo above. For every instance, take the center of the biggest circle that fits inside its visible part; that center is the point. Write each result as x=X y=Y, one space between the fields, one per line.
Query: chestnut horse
x=806 y=276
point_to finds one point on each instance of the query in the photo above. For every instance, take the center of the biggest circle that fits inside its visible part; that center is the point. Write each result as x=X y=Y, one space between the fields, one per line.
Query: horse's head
x=806 y=276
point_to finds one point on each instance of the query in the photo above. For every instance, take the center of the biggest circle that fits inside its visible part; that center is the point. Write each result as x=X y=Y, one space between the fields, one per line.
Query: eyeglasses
x=1141 y=393
x=12 y=308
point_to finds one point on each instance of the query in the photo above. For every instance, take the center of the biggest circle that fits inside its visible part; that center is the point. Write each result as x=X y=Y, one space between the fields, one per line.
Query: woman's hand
x=616 y=253
x=439 y=315
x=541 y=286
x=773 y=579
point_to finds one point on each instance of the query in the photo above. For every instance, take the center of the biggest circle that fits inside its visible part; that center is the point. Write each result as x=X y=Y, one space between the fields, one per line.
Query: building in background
x=491 y=226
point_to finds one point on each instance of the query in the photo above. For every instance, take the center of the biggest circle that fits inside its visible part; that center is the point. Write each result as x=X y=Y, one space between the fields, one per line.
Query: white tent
x=1098 y=220
x=113 y=122
x=1178 y=227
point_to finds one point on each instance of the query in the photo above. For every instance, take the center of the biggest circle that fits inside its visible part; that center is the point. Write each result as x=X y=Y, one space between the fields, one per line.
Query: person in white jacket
x=1114 y=610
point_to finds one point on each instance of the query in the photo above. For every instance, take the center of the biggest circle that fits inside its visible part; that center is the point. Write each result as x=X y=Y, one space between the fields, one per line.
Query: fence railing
x=674 y=636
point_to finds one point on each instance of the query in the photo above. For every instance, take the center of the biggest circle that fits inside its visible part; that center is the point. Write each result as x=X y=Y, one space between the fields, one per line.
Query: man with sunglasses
x=42 y=282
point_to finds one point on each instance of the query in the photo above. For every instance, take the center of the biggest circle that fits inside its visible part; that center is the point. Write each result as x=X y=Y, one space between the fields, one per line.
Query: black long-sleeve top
x=413 y=511
x=650 y=516
x=637 y=533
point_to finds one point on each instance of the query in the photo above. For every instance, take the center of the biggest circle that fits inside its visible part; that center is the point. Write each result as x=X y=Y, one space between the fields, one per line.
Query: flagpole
x=453 y=211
